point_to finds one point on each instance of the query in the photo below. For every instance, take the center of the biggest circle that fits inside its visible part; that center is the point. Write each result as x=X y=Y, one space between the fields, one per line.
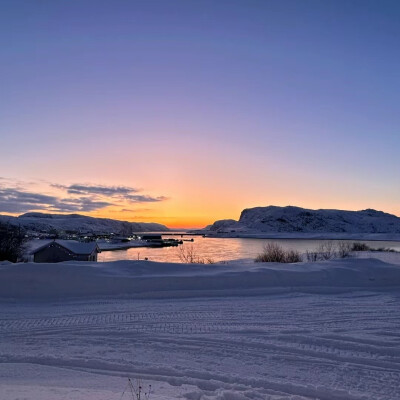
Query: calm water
x=224 y=249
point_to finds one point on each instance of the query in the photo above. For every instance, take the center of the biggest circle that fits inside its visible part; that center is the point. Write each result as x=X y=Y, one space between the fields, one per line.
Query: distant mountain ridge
x=290 y=219
x=42 y=222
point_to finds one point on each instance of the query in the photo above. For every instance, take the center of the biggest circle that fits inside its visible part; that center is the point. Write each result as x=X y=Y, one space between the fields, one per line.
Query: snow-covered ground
x=233 y=331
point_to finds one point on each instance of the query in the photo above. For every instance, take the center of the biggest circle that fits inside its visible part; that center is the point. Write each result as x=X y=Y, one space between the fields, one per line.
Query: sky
x=186 y=112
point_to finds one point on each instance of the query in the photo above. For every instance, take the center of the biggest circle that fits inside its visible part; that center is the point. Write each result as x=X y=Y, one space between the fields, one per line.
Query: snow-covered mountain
x=41 y=222
x=291 y=219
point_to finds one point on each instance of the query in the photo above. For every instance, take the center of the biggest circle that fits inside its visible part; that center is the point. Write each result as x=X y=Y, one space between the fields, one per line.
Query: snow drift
x=144 y=279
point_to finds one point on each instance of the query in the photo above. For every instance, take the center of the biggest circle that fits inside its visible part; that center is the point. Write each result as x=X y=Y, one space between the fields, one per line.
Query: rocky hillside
x=291 y=219
x=41 y=222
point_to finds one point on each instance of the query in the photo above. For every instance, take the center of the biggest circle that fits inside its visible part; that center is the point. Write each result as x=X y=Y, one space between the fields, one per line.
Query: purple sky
x=207 y=106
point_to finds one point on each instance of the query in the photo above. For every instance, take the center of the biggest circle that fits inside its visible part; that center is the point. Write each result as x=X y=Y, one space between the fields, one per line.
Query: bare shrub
x=344 y=249
x=293 y=256
x=312 y=256
x=326 y=251
x=188 y=255
x=385 y=249
x=272 y=252
x=357 y=246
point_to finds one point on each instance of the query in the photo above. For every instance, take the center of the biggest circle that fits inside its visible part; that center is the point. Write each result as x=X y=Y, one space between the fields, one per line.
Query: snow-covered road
x=288 y=346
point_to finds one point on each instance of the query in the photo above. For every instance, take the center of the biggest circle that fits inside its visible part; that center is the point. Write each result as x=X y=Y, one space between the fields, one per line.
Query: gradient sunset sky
x=185 y=112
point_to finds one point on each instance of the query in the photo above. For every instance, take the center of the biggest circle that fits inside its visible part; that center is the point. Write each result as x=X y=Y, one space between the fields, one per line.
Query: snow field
x=309 y=341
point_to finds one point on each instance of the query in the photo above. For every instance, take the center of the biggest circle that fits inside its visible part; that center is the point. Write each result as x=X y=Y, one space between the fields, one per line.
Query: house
x=65 y=250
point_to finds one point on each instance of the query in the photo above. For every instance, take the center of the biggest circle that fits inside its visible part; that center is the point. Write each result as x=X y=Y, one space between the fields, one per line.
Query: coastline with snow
x=305 y=235
x=292 y=222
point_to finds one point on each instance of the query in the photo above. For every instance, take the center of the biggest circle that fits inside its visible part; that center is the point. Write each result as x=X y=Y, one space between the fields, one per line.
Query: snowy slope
x=79 y=223
x=290 y=219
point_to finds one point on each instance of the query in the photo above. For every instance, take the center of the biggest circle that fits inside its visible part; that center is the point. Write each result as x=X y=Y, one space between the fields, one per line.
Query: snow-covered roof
x=72 y=245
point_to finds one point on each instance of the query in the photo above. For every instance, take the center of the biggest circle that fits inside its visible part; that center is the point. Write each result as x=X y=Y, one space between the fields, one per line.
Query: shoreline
x=376 y=237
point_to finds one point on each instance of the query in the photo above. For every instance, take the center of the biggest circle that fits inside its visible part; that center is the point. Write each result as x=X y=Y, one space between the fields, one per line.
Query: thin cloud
x=14 y=200
x=135 y=210
x=80 y=198
x=82 y=204
x=97 y=189
x=122 y=192
x=17 y=201
x=144 y=198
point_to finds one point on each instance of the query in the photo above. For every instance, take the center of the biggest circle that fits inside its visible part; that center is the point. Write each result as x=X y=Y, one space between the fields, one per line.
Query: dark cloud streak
x=144 y=198
x=97 y=189
x=91 y=198
x=18 y=201
x=122 y=192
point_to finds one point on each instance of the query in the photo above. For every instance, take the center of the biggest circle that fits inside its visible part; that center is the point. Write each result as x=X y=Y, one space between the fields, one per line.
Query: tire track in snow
x=301 y=345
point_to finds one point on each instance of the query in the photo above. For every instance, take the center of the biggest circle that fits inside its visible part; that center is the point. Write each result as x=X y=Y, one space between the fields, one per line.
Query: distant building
x=151 y=237
x=54 y=251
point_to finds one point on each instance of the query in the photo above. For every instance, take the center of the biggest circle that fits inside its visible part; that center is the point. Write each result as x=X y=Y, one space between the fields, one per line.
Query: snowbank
x=144 y=279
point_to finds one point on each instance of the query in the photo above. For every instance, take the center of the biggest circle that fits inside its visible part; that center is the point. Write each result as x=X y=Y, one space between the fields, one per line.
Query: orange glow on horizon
x=172 y=222
x=192 y=201
x=196 y=220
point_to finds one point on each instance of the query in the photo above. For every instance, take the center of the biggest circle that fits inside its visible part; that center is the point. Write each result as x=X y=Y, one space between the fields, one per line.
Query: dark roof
x=73 y=246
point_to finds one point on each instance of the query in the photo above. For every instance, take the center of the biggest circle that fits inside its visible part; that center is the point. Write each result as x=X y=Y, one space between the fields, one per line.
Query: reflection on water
x=224 y=249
